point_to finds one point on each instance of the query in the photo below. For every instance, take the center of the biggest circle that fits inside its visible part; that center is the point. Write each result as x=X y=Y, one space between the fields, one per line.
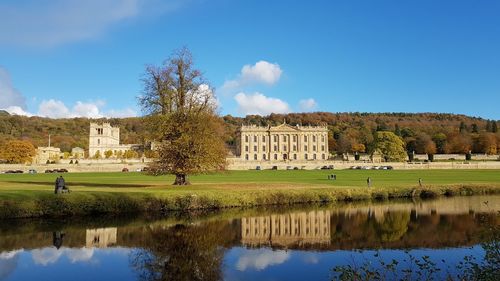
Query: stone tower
x=102 y=138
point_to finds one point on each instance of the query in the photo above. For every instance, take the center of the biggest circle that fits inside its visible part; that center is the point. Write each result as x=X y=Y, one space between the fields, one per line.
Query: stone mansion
x=103 y=138
x=282 y=143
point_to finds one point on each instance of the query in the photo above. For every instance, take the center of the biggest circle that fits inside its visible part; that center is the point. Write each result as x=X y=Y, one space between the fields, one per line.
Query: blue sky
x=64 y=58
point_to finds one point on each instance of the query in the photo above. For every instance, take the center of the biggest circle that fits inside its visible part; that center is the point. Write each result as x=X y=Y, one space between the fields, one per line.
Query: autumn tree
x=390 y=146
x=182 y=117
x=17 y=151
x=488 y=143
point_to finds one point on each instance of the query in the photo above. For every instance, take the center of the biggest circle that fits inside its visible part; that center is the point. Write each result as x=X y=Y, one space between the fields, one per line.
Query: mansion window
x=275 y=148
x=295 y=157
x=305 y=147
x=314 y=138
x=263 y=148
x=275 y=156
x=98 y=141
x=284 y=147
x=284 y=138
x=305 y=156
x=246 y=148
x=322 y=148
x=246 y=138
x=255 y=157
x=255 y=138
x=305 y=138
x=263 y=138
x=314 y=156
x=294 y=138
x=314 y=148
x=323 y=156
x=264 y=156
x=254 y=148
x=275 y=138
x=246 y=156
x=322 y=138
x=294 y=148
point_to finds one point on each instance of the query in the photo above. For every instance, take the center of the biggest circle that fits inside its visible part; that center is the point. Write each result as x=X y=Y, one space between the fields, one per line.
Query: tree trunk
x=181 y=179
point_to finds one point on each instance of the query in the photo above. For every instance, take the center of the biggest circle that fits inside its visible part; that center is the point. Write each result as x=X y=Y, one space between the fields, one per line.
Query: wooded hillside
x=350 y=132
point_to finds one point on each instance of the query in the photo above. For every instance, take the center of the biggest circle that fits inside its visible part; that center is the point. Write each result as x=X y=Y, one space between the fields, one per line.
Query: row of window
x=284 y=148
x=276 y=138
x=294 y=157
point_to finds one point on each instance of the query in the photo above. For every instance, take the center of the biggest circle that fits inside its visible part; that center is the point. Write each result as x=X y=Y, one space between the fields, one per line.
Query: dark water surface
x=294 y=243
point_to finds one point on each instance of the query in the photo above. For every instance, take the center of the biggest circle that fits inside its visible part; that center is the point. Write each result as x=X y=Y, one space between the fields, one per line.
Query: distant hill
x=346 y=128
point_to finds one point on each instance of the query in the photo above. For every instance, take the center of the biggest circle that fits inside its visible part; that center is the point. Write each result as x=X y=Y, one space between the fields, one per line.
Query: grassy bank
x=24 y=195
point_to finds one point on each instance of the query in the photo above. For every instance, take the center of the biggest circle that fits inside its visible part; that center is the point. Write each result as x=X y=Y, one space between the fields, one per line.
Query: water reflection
x=242 y=244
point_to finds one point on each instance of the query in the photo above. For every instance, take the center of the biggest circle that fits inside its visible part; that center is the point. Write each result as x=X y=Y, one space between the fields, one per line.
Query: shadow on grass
x=84 y=184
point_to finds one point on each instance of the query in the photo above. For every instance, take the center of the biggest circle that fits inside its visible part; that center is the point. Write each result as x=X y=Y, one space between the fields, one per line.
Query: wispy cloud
x=9 y=96
x=56 y=22
x=307 y=105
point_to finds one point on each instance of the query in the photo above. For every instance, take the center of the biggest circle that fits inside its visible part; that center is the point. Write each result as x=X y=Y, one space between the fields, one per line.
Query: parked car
x=125 y=170
x=60 y=170
x=32 y=171
x=49 y=171
x=13 y=172
x=275 y=168
x=258 y=168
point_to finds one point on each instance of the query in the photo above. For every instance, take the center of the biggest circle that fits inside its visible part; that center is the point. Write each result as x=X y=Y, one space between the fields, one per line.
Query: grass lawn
x=232 y=188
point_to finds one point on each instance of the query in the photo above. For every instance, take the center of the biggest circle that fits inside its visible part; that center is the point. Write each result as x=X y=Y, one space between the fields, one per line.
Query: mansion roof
x=283 y=128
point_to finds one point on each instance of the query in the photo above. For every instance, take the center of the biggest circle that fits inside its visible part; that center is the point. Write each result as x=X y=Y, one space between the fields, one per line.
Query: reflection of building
x=103 y=138
x=100 y=237
x=283 y=142
x=287 y=230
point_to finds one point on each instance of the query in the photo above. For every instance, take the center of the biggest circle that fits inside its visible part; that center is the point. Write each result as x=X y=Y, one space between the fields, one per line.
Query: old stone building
x=105 y=137
x=283 y=143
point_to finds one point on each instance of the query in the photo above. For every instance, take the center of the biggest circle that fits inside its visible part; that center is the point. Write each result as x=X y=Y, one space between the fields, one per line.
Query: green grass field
x=29 y=195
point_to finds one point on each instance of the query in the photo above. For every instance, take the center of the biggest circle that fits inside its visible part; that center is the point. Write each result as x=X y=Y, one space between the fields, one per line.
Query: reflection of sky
x=73 y=263
x=239 y=263
x=266 y=264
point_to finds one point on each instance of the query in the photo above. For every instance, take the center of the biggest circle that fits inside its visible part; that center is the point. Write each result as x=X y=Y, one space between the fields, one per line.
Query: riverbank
x=24 y=195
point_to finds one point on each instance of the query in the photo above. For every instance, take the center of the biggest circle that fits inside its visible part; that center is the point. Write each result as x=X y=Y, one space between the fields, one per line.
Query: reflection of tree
x=184 y=252
x=393 y=226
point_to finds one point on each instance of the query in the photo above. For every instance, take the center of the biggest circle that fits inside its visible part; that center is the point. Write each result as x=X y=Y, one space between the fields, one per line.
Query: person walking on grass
x=420 y=183
x=369 y=182
x=60 y=186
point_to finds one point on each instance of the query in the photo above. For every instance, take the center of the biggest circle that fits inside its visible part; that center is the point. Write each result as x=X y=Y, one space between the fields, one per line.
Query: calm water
x=299 y=243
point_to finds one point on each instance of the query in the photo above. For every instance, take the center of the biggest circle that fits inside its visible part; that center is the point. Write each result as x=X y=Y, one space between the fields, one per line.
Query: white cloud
x=257 y=103
x=46 y=256
x=261 y=72
x=89 y=109
x=261 y=259
x=16 y=110
x=57 y=109
x=53 y=109
x=307 y=105
x=9 y=96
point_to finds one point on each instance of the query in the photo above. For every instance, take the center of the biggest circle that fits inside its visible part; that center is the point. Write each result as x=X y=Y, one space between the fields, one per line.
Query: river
x=292 y=243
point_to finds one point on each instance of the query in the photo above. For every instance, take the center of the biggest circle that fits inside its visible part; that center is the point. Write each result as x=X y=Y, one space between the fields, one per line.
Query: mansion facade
x=283 y=143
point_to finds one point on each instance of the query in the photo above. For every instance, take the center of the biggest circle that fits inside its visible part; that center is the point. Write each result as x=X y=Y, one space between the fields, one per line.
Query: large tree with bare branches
x=181 y=115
